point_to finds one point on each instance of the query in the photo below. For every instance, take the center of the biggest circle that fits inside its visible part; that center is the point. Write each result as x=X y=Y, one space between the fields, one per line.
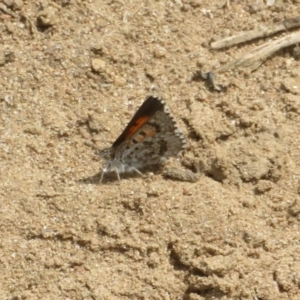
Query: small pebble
x=2 y=57
x=159 y=52
x=196 y=3
x=296 y=53
x=181 y=175
x=119 y=81
x=263 y=186
x=256 y=7
x=98 y=65
x=186 y=7
x=48 y=17
x=34 y=130
x=17 y=4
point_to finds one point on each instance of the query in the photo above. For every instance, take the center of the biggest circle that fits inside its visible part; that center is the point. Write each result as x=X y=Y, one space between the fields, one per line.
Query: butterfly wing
x=150 y=106
x=152 y=141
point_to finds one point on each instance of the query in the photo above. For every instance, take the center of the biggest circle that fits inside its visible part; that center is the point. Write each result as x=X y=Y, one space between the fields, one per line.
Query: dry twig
x=257 y=56
x=254 y=34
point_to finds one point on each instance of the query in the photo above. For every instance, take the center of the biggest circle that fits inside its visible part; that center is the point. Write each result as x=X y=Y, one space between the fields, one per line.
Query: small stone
x=196 y=3
x=195 y=296
x=284 y=278
x=201 y=63
x=2 y=57
x=94 y=123
x=296 y=53
x=181 y=175
x=48 y=17
x=134 y=58
x=17 y=4
x=292 y=103
x=256 y=7
x=119 y=81
x=34 y=130
x=6 y=56
x=9 y=56
x=186 y=7
x=291 y=85
x=152 y=193
x=159 y=52
x=263 y=186
x=152 y=73
x=249 y=203
x=270 y=2
x=98 y=65
x=84 y=133
x=294 y=209
x=8 y=3
x=154 y=260
x=11 y=28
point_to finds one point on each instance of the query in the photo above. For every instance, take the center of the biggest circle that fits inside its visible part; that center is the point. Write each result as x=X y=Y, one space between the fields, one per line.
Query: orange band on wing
x=138 y=124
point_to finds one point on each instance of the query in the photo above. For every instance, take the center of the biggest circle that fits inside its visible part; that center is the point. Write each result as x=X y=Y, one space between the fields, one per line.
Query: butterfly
x=150 y=138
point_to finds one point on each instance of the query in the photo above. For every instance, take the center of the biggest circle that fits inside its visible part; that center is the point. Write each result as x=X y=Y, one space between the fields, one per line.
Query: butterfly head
x=105 y=154
x=110 y=164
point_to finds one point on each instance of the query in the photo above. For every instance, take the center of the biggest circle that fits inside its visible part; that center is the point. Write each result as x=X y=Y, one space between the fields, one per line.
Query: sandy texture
x=72 y=73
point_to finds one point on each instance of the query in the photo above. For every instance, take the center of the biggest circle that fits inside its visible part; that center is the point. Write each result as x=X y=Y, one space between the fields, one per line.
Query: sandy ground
x=72 y=73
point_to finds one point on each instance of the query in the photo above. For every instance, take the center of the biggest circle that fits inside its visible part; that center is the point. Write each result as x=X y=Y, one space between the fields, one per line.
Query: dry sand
x=72 y=73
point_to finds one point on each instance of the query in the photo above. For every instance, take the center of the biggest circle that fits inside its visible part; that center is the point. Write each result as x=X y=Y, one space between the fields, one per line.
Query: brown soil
x=72 y=75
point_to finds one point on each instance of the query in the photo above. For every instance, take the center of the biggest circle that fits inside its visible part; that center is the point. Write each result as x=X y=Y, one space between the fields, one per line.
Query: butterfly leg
x=102 y=175
x=104 y=171
x=118 y=175
x=136 y=170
